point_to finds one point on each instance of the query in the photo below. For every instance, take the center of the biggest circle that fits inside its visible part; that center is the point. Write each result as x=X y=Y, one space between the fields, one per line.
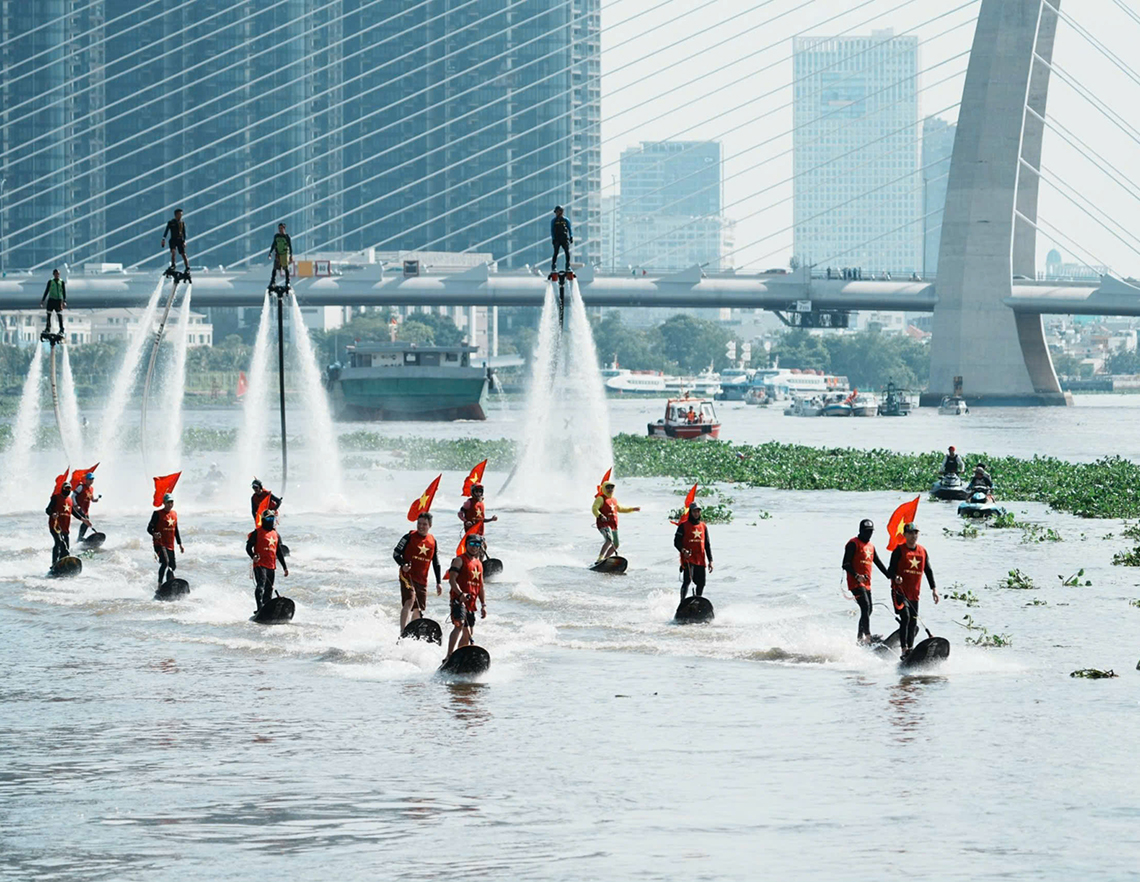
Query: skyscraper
x=937 y=149
x=855 y=152
x=434 y=125
x=670 y=205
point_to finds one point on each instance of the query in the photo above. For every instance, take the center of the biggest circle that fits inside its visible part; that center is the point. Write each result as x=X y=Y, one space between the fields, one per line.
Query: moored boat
x=837 y=405
x=804 y=407
x=864 y=404
x=687 y=418
x=953 y=405
x=895 y=401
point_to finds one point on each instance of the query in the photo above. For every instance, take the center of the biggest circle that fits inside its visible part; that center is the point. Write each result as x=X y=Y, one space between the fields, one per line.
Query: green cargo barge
x=405 y=381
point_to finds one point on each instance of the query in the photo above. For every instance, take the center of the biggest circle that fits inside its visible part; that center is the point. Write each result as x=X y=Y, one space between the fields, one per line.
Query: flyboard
x=615 y=565
x=561 y=278
x=172 y=589
x=423 y=629
x=278 y=611
x=694 y=610
x=93 y=540
x=66 y=566
x=172 y=273
x=492 y=567
x=929 y=652
x=467 y=661
x=56 y=340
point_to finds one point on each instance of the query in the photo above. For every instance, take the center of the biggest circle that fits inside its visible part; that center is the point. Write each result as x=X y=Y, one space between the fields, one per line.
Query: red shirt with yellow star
x=265 y=544
x=163 y=527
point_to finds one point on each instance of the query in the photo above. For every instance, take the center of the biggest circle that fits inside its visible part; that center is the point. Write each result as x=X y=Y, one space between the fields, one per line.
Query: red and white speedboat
x=687 y=418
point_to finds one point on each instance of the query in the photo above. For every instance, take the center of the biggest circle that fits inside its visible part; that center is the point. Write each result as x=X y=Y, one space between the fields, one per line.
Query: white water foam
x=69 y=411
x=174 y=387
x=255 y=416
x=320 y=438
x=19 y=456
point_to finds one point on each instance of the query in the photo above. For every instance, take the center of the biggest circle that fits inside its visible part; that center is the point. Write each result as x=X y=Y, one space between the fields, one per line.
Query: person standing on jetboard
x=909 y=563
x=606 y=510
x=692 y=540
x=465 y=577
x=81 y=501
x=163 y=527
x=416 y=554
x=176 y=232
x=859 y=559
x=473 y=512
x=59 y=510
x=264 y=547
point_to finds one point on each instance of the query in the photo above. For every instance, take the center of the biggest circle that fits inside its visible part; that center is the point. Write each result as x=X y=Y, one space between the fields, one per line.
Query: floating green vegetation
x=764 y=515
x=967 y=597
x=985 y=638
x=1094 y=674
x=711 y=513
x=1004 y=520
x=1127 y=558
x=1016 y=579
x=1037 y=601
x=1135 y=603
x=1039 y=533
x=456 y=454
x=968 y=531
x=1074 y=581
x=1129 y=531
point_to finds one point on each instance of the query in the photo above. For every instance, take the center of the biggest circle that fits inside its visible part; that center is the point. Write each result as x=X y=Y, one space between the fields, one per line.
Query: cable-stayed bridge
x=416 y=172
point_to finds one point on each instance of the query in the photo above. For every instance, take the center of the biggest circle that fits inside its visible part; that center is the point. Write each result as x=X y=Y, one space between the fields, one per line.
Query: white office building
x=858 y=190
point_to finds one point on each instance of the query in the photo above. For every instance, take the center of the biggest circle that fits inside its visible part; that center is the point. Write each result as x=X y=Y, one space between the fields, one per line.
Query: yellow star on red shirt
x=914 y=563
x=271 y=542
x=171 y=520
x=425 y=549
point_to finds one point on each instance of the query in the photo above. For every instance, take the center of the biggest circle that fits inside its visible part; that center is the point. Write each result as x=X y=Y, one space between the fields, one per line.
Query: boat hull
x=703 y=431
x=411 y=397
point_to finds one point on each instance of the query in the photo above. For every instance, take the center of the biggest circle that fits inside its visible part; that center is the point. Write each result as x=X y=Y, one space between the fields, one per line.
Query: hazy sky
x=649 y=63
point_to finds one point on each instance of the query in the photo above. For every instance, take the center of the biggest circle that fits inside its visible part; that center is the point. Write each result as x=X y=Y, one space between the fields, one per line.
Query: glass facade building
x=858 y=192
x=443 y=125
x=937 y=150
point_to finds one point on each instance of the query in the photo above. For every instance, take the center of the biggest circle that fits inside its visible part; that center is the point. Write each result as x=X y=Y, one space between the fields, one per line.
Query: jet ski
x=950 y=486
x=980 y=505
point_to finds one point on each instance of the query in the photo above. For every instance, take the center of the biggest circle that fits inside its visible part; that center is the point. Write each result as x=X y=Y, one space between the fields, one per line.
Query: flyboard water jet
x=177 y=277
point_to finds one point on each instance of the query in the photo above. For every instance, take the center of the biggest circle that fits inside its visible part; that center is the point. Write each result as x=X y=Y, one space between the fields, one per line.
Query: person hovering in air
x=562 y=236
x=606 y=509
x=281 y=250
x=176 y=233
x=55 y=296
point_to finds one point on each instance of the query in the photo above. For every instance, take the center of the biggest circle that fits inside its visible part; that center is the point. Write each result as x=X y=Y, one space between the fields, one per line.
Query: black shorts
x=179 y=246
x=55 y=306
x=461 y=615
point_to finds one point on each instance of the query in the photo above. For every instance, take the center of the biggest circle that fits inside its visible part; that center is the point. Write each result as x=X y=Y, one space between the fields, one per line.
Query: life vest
x=561 y=230
x=474 y=512
x=912 y=569
x=265 y=544
x=60 y=518
x=607 y=516
x=694 y=542
x=418 y=554
x=281 y=245
x=469 y=577
x=165 y=528
x=55 y=289
x=862 y=563
x=83 y=497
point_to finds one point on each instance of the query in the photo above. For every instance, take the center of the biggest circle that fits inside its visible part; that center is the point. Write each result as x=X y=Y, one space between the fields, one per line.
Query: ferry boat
x=783 y=385
x=406 y=381
x=734 y=384
x=953 y=405
x=706 y=383
x=627 y=382
x=805 y=407
x=687 y=418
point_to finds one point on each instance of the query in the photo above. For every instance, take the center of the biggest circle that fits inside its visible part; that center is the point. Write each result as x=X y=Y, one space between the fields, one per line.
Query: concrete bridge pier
x=988 y=233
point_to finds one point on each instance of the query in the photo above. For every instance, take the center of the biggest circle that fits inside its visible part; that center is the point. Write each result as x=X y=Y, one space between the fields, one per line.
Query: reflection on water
x=464 y=703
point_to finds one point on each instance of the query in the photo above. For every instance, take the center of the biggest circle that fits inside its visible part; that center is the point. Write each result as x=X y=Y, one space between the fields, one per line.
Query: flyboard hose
x=281 y=292
x=55 y=404
x=150 y=367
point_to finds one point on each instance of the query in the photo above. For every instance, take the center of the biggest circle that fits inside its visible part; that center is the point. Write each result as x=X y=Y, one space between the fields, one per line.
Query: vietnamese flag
x=423 y=504
x=261 y=508
x=80 y=474
x=689 y=499
x=462 y=547
x=163 y=485
x=605 y=480
x=903 y=515
x=476 y=477
x=60 y=479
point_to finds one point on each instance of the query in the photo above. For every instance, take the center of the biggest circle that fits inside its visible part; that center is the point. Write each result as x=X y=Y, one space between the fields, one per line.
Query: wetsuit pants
x=83 y=526
x=695 y=575
x=908 y=623
x=280 y=262
x=166 y=563
x=863 y=598
x=263 y=578
x=55 y=306
x=61 y=547
x=178 y=246
x=565 y=246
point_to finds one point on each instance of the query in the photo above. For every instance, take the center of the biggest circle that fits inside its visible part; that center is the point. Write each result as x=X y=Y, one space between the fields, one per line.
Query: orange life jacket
x=474 y=512
x=863 y=563
x=607 y=515
x=694 y=542
x=166 y=528
x=265 y=544
x=470 y=581
x=60 y=517
x=912 y=570
x=419 y=553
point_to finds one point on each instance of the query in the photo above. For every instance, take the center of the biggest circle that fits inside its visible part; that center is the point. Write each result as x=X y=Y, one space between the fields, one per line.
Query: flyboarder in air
x=176 y=233
x=465 y=577
x=81 y=502
x=606 y=510
x=416 y=554
x=163 y=528
x=59 y=510
x=562 y=236
x=909 y=563
x=473 y=512
x=692 y=540
x=262 y=500
x=281 y=250
x=859 y=559
x=264 y=547
x=55 y=295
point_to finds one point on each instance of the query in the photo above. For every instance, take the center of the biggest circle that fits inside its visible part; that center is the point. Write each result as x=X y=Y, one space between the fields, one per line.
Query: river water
x=149 y=741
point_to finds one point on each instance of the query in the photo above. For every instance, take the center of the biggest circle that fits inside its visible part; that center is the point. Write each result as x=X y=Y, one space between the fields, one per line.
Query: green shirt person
x=55 y=295
x=282 y=253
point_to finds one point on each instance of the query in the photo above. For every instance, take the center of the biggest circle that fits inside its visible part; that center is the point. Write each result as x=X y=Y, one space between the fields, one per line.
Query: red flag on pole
x=474 y=528
x=903 y=515
x=689 y=497
x=262 y=507
x=162 y=485
x=423 y=503
x=59 y=481
x=476 y=477
x=605 y=480
x=80 y=474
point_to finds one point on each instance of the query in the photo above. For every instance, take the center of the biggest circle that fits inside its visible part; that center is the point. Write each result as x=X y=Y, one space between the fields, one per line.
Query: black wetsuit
x=61 y=540
x=55 y=293
x=175 y=234
x=862 y=595
x=561 y=235
x=282 y=251
x=693 y=574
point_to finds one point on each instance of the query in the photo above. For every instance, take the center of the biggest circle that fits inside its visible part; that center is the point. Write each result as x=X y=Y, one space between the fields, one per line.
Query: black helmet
x=557 y=208
x=256 y=484
x=476 y=488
